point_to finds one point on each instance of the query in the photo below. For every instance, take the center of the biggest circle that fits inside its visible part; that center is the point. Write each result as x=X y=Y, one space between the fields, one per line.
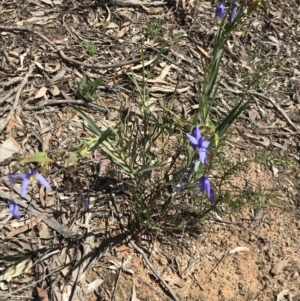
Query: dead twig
x=118 y=278
x=49 y=220
x=51 y=102
x=264 y=97
x=33 y=222
x=64 y=56
x=261 y=238
x=17 y=98
x=279 y=109
x=144 y=255
x=136 y=3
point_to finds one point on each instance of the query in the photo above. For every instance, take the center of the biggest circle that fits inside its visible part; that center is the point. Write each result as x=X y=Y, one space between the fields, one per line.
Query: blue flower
x=14 y=209
x=232 y=13
x=220 y=10
x=199 y=144
x=26 y=178
x=204 y=186
x=84 y=201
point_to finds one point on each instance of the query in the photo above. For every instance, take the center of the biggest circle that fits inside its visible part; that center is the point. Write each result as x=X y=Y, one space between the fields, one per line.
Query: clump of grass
x=87 y=88
x=90 y=48
x=155 y=29
x=256 y=73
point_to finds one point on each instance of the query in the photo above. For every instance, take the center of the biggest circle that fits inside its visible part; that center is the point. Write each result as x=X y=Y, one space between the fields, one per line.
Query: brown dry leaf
x=239 y=249
x=203 y=51
x=259 y=141
x=42 y=294
x=111 y=25
x=42 y=196
x=47 y=2
x=121 y=32
x=41 y=93
x=52 y=70
x=152 y=10
x=94 y=285
x=54 y=90
x=147 y=63
x=59 y=42
x=133 y=297
x=58 y=76
x=43 y=230
x=163 y=74
x=41 y=20
x=46 y=141
x=8 y=148
x=172 y=278
x=29 y=225
x=283 y=295
x=158 y=81
x=58 y=132
x=11 y=124
x=169 y=89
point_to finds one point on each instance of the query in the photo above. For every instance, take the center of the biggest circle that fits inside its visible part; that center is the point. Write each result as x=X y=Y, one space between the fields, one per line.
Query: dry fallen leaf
x=239 y=249
x=203 y=51
x=169 y=89
x=47 y=2
x=8 y=148
x=42 y=294
x=283 y=294
x=41 y=93
x=41 y=20
x=152 y=10
x=15 y=270
x=11 y=124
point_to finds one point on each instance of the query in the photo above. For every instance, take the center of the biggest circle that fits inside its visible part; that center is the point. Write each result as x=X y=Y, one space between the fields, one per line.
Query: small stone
x=278 y=267
x=163 y=261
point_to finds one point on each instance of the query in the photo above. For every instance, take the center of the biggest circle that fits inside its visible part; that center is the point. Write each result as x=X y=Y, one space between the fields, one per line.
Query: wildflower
x=14 y=209
x=84 y=201
x=232 y=13
x=199 y=144
x=26 y=178
x=204 y=186
x=220 y=11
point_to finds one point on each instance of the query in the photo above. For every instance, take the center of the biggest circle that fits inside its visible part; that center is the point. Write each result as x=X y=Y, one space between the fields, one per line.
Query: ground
x=79 y=254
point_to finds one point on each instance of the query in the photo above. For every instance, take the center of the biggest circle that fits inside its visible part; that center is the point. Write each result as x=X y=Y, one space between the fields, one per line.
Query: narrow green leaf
x=72 y=158
x=155 y=62
x=39 y=157
x=230 y=118
x=92 y=125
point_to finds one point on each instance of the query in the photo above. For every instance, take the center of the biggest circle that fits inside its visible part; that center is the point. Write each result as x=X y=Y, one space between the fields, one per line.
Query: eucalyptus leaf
x=16 y=270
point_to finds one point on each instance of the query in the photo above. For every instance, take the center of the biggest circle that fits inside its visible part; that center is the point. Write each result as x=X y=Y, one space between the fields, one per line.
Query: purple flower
x=220 y=11
x=199 y=144
x=26 y=178
x=14 y=209
x=204 y=186
x=232 y=13
x=84 y=201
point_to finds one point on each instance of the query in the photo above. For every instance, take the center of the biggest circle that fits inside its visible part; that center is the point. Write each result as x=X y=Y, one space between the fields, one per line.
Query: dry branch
x=64 y=56
x=175 y=298
x=17 y=98
x=136 y=3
